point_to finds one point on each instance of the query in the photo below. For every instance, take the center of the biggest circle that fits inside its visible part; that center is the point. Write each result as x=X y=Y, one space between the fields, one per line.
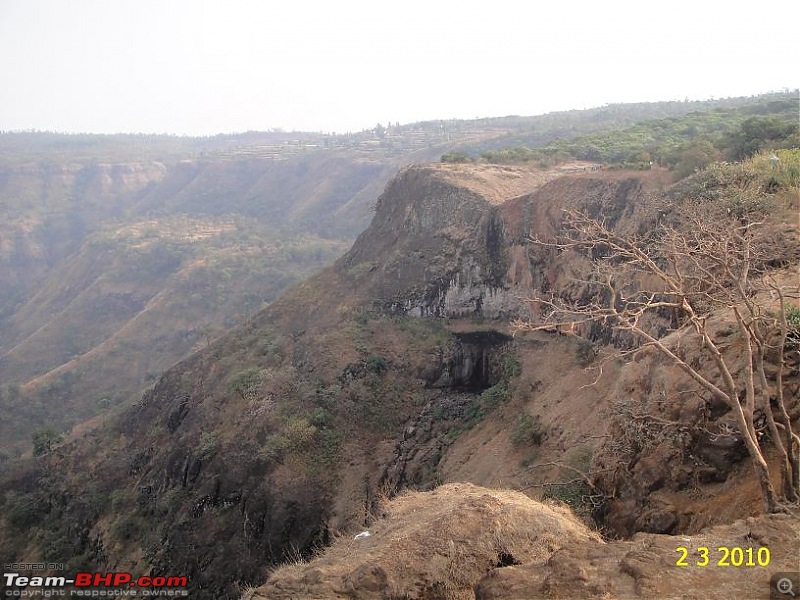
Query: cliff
x=454 y=240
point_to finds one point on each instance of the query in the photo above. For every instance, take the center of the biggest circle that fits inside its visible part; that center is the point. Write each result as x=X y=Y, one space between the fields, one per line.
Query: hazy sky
x=211 y=66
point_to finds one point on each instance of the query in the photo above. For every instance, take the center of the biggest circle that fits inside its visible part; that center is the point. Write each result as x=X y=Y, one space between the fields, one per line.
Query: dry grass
x=440 y=542
x=496 y=183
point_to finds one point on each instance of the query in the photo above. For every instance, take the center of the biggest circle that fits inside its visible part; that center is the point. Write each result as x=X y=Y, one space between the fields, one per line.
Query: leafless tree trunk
x=705 y=262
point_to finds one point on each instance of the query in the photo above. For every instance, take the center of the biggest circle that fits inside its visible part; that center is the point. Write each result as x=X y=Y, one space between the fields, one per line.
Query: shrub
x=516 y=154
x=207 y=445
x=576 y=494
x=245 y=383
x=528 y=430
x=455 y=157
x=793 y=335
x=273 y=447
x=299 y=433
x=377 y=364
x=23 y=512
x=320 y=419
x=271 y=347
x=495 y=395
x=793 y=317
x=44 y=439
x=512 y=367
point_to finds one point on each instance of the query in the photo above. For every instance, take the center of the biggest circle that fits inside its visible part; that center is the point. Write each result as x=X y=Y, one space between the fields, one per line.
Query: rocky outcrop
x=636 y=568
x=454 y=240
x=463 y=541
x=434 y=544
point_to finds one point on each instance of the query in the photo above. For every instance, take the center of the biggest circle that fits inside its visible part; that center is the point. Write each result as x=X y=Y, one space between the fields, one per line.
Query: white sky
x=212 y=66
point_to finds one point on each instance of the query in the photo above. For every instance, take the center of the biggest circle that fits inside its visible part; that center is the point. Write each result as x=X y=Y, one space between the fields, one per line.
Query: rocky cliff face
x=454 y=240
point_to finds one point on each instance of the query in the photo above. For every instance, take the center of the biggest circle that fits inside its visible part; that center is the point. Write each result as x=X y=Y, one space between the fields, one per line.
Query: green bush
x=207 y=445
x=24 y=512
x=126 y=528
x=245 y=383
x=299 y=433
x=575 y=494
x=377 y=364
x=527 y=431
x=793 y=317
x=516 y=154
x=455 y=157
x=273 y=447
x=271 y=347
x=320 y=419
x=44 y=439
x=512 y=366
x=495 y=395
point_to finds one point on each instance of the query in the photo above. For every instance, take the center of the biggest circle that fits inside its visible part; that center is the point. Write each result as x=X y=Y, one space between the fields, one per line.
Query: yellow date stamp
x=722 y=556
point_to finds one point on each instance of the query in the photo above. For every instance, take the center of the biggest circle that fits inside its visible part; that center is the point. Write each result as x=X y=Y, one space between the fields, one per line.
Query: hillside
x=394 y=368
x=112 y=272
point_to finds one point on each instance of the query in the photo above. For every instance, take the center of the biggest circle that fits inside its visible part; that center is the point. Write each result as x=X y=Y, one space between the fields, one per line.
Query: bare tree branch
x=700 y=265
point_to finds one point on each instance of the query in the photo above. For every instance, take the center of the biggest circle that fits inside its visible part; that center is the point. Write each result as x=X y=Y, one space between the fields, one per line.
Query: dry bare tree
x=702 y=260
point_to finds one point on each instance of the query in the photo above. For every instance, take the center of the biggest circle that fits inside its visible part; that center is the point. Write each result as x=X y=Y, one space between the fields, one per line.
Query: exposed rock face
x=453 y=241
x=472 y=365
x=438 y=247
x=641 y=567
